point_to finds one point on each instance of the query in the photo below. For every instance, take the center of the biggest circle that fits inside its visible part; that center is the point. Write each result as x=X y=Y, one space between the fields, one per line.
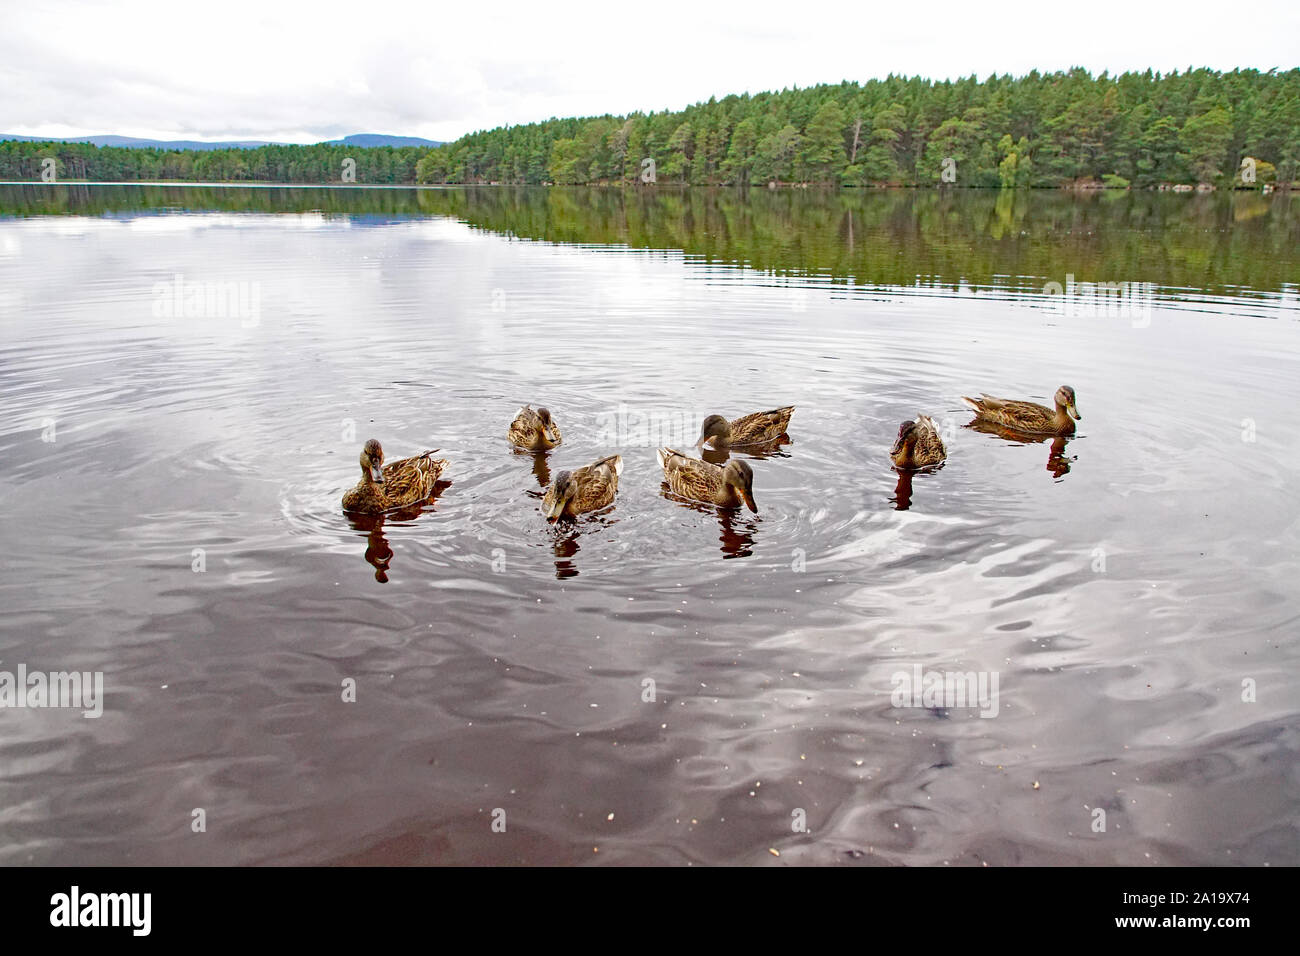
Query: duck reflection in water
x=565 y=545
x=379 y=554
x=737 y=532
x=566 y=531
x=1058 y=462
x=736 y=527
x=542 y=469
x=771 y=449
x=541 y=465
x=903 y=489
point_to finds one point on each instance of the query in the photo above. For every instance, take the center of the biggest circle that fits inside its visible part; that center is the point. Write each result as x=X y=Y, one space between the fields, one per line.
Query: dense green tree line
x=321 y=163
x=1036 y=130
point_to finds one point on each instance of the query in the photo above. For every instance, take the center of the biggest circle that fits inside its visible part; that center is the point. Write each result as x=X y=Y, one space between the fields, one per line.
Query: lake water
x=657 y=683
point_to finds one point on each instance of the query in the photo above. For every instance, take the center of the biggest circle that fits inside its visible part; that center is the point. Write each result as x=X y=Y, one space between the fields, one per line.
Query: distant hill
x=359 y=140
x=380 y=139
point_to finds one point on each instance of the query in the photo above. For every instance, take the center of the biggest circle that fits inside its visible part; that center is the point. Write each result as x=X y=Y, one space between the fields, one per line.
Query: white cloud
x=311 y=71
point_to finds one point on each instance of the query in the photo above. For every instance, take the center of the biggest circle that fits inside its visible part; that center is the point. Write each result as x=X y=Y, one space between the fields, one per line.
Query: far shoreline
x=1177 y=188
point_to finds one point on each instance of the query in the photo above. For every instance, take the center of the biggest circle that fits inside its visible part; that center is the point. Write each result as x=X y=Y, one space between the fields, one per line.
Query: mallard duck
x=727 y=487
x=395 y=485
x=588 y=488
x=918 y=444
x=756 y=429
x=534 y=430
x=1029 y=417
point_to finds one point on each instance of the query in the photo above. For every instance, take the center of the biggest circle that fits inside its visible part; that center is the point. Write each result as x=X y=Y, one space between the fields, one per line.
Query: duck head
x=906 y=436
x=718 y=429
x=1065 y=399
x=372 y=461
x=740 y=476
x=564 y=490
x=548 y=425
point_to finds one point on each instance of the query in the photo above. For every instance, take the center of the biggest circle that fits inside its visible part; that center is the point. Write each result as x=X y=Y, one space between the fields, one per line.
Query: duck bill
x=747 y=497
x=897 y=446
x=376 y=475
x=554 y=511
x=1075 y=412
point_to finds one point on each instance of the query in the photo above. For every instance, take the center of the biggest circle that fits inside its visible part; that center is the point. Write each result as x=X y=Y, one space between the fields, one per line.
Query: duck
x=1029 y=417
x=918 y=444
x=756 y=429
x=398 y=484
x=728 y=487
x=588 y=488
x=534 y=430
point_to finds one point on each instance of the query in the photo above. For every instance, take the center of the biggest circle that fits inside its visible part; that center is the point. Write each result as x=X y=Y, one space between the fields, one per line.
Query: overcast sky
x=305 y=72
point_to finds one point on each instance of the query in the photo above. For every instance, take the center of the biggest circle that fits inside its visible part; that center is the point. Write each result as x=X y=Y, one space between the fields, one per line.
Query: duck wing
x=1015 y=414
x=598 y=482
x=412 y=479
x=526 y=429
x=761 y=426
x=929 y=443
x=690 y=477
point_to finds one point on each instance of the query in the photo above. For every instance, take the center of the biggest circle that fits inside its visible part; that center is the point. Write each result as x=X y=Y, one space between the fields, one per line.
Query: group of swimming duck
x=401 y=484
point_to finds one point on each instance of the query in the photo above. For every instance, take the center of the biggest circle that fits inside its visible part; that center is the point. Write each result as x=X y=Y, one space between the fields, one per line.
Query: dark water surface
x=1123 y=586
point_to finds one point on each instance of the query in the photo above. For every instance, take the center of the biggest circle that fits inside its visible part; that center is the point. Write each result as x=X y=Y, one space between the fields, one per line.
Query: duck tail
x=663 y=454
x=614 y=461
x=974 y=403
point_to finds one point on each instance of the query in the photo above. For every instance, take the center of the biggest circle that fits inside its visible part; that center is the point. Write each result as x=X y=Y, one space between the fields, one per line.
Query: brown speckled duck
x=918 y=444
x=395 y=485
x=534 y=430
x=1029 y=417
x=588 y=488
x=756 y=429
x=727 y=487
